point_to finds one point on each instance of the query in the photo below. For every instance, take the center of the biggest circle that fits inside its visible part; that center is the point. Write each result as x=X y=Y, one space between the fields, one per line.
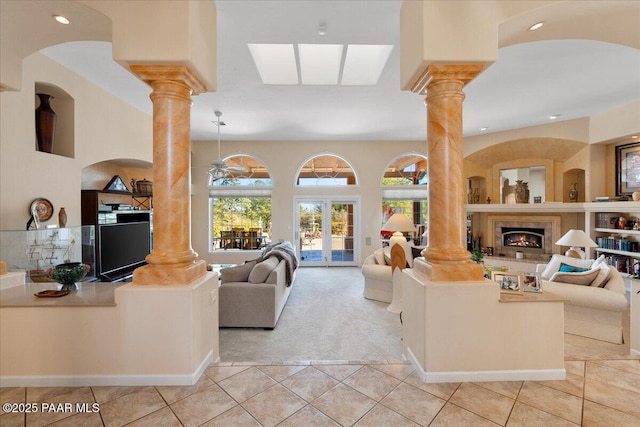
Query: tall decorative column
x=172 y=260
x=447 y=258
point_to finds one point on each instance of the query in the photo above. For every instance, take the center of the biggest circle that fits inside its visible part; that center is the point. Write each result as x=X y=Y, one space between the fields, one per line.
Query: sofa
x=595 y=294
x=378 y=279
x=253 y=294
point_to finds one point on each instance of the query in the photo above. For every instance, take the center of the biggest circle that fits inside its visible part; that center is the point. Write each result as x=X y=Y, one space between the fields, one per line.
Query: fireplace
x=533 y=235
x=523 y=239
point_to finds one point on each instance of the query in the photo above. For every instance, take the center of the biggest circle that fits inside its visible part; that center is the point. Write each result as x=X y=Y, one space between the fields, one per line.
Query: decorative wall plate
x=43 y=208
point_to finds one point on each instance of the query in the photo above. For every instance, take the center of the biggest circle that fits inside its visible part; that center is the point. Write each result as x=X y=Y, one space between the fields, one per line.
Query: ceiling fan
x=219 y=168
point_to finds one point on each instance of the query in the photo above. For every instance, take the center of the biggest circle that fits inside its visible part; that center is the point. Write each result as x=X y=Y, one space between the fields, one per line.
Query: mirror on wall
x=534 y=176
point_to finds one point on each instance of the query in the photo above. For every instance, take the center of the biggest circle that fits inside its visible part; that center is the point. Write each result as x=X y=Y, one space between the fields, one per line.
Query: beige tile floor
x=602 y=389
x=598 y=391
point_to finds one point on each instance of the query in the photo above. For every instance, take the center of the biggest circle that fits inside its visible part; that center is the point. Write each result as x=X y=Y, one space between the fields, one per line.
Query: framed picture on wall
x=628 y=168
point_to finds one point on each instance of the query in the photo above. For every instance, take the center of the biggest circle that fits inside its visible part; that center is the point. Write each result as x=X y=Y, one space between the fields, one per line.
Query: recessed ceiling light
x=555 y=116
x=536 y=26
x=322 y=29
x=484 y=128
x=634 y=136
x=61 y=19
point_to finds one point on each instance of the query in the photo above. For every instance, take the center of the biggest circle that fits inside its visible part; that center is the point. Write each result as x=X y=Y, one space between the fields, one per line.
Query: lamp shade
x=577 y=239
x=399 y=222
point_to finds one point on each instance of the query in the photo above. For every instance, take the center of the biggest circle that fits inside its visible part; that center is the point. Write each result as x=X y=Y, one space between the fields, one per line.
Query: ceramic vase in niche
x=573 y=193
x=45 y=123
x=62 y=218
x=521 y=192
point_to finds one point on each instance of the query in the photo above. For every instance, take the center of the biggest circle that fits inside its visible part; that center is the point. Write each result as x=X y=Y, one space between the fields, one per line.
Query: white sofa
x=378 y=280
x=591 y=311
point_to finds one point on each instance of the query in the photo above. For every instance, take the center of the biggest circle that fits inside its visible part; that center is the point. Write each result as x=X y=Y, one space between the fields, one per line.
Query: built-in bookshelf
x=618 y=237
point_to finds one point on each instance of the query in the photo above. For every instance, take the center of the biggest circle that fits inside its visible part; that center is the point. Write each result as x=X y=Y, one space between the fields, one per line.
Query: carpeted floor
x=325 y=318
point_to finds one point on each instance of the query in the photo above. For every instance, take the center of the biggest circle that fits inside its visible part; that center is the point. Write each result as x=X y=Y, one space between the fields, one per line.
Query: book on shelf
x=606 y=219
x=617 y=244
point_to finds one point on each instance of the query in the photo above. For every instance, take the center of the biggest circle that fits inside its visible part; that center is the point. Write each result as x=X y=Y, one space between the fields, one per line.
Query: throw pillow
x=565 y=268
x=600 y=260
x=603 y=275
x=583 y=278
x=387 y=255
x=261 y=270
x=379 y=256
x=238 y=273
x=556 y=260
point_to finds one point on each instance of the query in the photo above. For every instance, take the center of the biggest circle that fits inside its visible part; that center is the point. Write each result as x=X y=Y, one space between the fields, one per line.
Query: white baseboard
x=480 y=376
x=107 y=380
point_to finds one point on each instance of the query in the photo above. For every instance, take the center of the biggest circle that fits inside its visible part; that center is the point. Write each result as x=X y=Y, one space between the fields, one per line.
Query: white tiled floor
x=598 y=391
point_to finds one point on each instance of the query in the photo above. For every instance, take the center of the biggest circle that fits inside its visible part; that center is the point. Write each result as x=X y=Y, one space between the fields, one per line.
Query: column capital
x=439 y=72
x=176 y=73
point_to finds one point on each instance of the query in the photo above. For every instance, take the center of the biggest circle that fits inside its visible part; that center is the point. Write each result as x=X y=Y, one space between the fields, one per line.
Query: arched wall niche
x=551 y=153
x=63 y=105
x=98 y=175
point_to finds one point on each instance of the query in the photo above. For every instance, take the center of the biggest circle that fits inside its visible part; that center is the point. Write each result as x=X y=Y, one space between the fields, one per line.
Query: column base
x=449 y=271
x=169 y=274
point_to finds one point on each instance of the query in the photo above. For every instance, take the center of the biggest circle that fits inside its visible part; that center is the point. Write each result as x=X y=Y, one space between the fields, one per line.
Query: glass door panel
x=326 y=232
x=342 y=233
x=310 y=219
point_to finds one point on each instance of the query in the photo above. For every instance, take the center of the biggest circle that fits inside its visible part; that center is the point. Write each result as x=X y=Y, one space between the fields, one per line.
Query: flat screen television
x=124 y=245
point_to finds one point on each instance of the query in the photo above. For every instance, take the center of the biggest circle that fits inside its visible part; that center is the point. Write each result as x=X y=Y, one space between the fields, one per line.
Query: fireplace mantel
x=553 y=207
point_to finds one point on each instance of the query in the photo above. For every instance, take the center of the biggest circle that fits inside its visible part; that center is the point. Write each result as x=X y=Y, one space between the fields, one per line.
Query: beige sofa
x=254 y=305
x=253 y=294
x=591 y=311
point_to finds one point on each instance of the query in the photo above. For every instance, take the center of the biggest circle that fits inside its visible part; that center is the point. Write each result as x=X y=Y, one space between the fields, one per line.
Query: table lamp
x=576 y=239
x=398 y=223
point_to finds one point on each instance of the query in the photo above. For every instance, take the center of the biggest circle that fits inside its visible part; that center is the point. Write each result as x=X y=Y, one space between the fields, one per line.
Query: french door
x=326 y=231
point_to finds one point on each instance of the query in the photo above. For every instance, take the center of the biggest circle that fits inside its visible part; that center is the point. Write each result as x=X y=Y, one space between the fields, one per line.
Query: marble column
x=172 y=260
x=447 y=258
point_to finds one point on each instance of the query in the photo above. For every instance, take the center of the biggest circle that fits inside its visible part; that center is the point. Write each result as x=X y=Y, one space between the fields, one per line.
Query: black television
x=124 y=246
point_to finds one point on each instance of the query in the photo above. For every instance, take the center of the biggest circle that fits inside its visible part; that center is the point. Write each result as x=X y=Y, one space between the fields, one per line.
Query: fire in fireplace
x=523 y=238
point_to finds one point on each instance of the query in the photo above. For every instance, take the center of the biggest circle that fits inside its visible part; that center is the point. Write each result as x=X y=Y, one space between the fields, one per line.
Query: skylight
x=276 y=63
x=320 y=64
x=364 y=63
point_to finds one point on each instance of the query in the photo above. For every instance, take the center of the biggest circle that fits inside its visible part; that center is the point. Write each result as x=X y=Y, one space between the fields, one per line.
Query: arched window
x=326 y=170
x=240 y=205
x=405 y=189
x=242 y=170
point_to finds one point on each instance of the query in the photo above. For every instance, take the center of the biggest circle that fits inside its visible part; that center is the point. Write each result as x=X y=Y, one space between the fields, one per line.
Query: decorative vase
x=573 y=193
x=522 y=192
x=68 y=274
x=62 y=218
x=45 y=123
